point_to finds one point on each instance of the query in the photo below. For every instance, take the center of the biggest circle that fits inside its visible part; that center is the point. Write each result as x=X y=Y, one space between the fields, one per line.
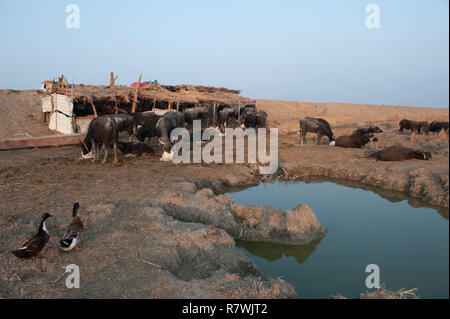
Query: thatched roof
x=167 y=93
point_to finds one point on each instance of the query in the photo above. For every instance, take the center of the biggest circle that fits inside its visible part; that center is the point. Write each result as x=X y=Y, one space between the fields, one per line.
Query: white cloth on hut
x=62 y=107
x=61 y=123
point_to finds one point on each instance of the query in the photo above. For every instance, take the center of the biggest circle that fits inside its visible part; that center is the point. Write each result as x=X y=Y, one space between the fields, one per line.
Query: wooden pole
x=112 y=79
x=239 y=112
x=94 y=109
x=133 y=107
x=178 y=106
x=214 y=113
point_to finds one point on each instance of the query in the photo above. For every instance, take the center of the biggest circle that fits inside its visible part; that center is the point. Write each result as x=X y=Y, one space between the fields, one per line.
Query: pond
x=408 y=241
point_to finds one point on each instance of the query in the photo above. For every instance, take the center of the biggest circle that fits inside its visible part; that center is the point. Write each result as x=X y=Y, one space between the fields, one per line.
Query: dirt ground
x=150 y=247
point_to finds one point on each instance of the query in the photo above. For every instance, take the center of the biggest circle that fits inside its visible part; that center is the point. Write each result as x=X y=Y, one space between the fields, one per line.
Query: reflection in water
x=273 y=251
x=390 y=195
x=366 y=225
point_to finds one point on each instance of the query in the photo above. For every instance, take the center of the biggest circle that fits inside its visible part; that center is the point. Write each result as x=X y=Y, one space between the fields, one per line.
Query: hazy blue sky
x=318 y=51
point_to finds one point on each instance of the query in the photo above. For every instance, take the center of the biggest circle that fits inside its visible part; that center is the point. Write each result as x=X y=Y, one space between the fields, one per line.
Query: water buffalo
x=148 y=128
x=413 y=126
x=102 y=130
x=437 y=126
x=124 y=122
x=225 y=116
x=245 y=109
x=137 y=148
x=367 y=130
x=315 y=125
x=162 y=128
x=141 y=118
x=196 y=113
x=261 y=119
x=424 y=128
x=354 y=141
x=248 y=117
x=400 y=153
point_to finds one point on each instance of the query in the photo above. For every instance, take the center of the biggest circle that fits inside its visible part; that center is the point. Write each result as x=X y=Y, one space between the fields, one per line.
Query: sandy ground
x=130 y=228
x=20 y=112
x=285 y=115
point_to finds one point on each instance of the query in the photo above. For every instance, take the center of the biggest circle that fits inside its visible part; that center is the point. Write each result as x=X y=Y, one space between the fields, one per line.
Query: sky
x=316 y=51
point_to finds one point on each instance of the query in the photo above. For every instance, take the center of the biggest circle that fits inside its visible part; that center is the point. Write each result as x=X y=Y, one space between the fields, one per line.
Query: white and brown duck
x=72 y=235
x=36 y=243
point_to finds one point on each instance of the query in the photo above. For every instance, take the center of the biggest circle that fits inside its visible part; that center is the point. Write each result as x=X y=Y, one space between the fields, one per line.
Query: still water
x=409 y=242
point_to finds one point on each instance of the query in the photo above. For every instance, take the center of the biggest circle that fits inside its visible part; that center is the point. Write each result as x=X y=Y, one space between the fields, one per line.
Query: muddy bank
x=139 y=243
x=424 y=180
x=296 y=226
x=133 y=251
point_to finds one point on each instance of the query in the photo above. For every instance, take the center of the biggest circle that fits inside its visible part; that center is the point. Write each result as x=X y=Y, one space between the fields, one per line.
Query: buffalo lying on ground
x=367 y=130
x=102 y=131
x=414 y=126
x=137 y=148
x=354 y=141
x=437 y=126
x=400 y=153
x=315 y=125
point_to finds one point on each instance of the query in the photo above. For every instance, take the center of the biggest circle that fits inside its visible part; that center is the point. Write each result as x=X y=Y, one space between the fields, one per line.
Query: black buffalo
x=400 y=153
x=141 y=118
x=248 y=117
x=437 y=126
x=367 y=130
x=414 y=126
x=226 y=115
x=102 y=131
x=163 y=128
x=261 y=119
x=124 y=122
x=196 y=113
x=148 y=128
x=315 y=125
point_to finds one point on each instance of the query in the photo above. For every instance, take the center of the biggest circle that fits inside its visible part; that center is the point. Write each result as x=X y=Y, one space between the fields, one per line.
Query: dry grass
x=385 y=293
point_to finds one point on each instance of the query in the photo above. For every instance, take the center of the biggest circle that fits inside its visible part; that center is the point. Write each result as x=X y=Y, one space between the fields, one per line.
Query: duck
x=71 y=237
x=36 y=243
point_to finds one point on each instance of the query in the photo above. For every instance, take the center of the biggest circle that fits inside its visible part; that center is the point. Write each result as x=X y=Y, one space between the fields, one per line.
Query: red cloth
x=141 y=85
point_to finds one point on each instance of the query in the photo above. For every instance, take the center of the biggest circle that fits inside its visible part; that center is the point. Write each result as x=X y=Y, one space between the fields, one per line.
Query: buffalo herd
x=103 y=131
x=360 y=137
x=423 y=127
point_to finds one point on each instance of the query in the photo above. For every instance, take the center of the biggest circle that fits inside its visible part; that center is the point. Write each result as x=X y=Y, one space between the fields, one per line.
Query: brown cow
x=354 y=141
x=400 y=153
